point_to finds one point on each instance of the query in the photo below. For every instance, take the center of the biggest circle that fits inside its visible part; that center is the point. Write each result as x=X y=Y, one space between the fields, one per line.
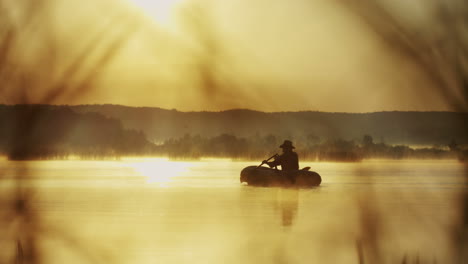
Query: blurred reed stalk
x=24 y=24
x=440 y=51
x=442 y=56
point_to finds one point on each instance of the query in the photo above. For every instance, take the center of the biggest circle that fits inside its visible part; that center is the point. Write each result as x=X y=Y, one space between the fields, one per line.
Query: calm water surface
x=159 y=211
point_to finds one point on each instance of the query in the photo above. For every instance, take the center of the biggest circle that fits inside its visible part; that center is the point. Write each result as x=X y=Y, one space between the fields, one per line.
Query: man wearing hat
x=289 y=160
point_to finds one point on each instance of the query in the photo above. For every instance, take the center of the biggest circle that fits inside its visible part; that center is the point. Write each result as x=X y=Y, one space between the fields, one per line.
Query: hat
x=287 y=144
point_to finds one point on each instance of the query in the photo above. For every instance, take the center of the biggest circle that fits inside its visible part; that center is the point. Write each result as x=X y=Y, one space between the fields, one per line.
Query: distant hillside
x=411 y=128
x=40 y=131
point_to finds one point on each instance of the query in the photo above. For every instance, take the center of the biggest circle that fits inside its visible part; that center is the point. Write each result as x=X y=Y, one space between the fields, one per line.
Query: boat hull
x=262 y=176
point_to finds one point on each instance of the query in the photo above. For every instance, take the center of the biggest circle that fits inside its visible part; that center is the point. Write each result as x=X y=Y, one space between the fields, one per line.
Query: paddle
x=263 y=162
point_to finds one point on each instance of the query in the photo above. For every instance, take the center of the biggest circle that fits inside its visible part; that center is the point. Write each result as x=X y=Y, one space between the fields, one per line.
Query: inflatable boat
x=262 y=176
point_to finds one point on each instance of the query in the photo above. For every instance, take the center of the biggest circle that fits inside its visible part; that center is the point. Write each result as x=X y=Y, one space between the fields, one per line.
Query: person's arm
x=275 y=162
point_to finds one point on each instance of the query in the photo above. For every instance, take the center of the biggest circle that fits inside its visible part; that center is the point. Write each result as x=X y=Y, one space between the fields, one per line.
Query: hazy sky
x=268 y=55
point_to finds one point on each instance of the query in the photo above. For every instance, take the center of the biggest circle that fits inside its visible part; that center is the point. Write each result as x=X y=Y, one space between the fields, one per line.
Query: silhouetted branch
x=440 y=54
x=439 y=48
x=33 y=20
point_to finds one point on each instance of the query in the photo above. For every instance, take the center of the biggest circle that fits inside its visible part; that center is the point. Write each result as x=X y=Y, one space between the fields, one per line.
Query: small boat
x=262 y=176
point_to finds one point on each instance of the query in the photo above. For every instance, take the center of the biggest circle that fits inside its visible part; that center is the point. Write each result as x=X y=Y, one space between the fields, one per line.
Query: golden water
x=160 y=211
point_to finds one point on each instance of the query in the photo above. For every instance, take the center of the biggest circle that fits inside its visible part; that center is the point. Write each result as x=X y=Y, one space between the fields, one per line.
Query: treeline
x=45 y=132
x=312 y=148
x=405 y=128
x=59 y=132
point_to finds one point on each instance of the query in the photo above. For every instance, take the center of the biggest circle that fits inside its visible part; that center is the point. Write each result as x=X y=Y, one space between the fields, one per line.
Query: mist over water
x=155 y=210
x=356 y=56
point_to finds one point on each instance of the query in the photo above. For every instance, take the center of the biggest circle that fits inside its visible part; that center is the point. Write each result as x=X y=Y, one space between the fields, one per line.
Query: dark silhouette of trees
x=60 y=133
x=453 y=146
x=367 y=141
x=257 y=147
x=409 y=128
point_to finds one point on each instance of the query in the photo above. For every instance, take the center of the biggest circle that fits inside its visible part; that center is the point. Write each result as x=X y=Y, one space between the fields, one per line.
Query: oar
x=268 y=160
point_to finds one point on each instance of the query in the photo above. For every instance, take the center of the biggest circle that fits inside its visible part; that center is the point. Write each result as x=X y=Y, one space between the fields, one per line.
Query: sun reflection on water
x=160 y=171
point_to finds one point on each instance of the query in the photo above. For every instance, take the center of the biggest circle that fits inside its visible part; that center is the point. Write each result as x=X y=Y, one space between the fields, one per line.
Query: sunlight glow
x=160 y=171
x=160 y=11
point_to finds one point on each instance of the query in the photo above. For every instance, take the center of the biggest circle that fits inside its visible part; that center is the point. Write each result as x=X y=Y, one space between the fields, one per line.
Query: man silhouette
x=288 y=161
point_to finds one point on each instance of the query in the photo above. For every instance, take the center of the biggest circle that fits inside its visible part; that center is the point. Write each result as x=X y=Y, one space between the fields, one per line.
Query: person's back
x=289 y=160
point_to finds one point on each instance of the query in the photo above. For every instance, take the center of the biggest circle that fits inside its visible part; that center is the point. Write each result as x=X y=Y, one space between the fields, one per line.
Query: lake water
x=160 y=211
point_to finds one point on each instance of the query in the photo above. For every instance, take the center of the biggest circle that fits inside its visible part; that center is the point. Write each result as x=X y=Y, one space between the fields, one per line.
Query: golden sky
x=269 y=55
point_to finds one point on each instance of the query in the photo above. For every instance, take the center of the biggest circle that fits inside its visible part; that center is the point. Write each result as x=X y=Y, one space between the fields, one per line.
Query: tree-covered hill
x=39 y=131
x=410 y=128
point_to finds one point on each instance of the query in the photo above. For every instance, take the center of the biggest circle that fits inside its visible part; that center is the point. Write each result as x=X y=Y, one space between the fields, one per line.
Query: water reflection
x=203 y=213
x=287 y=201
x=160 y=171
